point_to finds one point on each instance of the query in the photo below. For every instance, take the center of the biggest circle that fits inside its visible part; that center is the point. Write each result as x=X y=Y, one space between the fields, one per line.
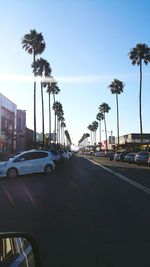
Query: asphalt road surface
x=89 y=212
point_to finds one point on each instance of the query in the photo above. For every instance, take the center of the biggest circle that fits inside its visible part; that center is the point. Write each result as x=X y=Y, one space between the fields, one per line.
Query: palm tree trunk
x=60 y=134
x=63 y=136
x=91 y=138
x=94 y=133
x=140 y=103
x=100 y=139
x=57 y=129
x=49 y=119
x=117 y=118
x=105 y=132
x=87 y=142
x=34 y=111
x=54 y=122
x=64 y=139
x=42 y=100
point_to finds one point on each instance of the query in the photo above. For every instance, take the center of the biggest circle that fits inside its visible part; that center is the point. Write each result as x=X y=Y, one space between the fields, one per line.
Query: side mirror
x=18 y=249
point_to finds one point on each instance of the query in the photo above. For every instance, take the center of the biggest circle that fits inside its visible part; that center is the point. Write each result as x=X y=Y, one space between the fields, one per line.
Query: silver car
x=130 y=157
x=142 y=157
x=117 y=156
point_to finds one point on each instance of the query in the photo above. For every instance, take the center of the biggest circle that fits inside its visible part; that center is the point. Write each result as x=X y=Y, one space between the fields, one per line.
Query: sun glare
x=64 y=79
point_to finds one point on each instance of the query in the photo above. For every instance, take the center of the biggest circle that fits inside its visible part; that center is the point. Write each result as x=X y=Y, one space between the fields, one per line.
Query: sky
x=87 y=46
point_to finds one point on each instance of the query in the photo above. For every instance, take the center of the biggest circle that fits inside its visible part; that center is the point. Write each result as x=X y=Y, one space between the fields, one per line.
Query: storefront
x=132 y=142
x=7 y=125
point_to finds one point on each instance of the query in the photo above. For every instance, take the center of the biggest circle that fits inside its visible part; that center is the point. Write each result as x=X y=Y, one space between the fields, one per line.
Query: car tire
x=12 y=173
x=48 y=169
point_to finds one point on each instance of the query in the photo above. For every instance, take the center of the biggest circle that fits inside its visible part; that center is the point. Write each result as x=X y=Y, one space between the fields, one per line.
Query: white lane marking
x=124 y=178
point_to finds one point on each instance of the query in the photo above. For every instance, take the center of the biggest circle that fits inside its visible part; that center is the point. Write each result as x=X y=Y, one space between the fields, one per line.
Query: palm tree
x=68 y=138
x=42 y=68
x=86 y=135
x=60 y=119
x=57 y=107
x=34 y=44
x=138 y=55
x=95 y=126
x=63 y=125
x=90 y=127
x=116 y=88
x=104 y=108
x=49 y=91
x=83 y=138
x=53 y=89
x=100 y=117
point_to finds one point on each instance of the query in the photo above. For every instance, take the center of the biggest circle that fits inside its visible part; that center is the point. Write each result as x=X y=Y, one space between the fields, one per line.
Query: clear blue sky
x=87 y=45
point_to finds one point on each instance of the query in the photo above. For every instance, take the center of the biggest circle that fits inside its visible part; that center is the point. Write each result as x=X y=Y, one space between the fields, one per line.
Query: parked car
x=117 y=155
x=69 y=153
x=123 y=154
x=56 y=157
x=97 y=154
x=102 y=154
x=32 y=161
x=130 y=157
x=142 y=157
x=110 y=155
x=149 y=161
x=92 y=153
x=64 y=154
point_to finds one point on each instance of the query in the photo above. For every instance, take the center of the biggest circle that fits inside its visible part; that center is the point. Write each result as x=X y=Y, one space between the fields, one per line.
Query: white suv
x=32 y=161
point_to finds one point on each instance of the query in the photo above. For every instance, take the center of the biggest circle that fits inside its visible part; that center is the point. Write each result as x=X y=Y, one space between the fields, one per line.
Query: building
x=14 y=135
x=132 y=141
x=24 y=136
x=8 y=113
x=21 y=130
x=29 y=139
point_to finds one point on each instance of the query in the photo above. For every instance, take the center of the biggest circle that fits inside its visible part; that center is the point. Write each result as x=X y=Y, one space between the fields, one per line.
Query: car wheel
x=48 y=169
x=12 y=173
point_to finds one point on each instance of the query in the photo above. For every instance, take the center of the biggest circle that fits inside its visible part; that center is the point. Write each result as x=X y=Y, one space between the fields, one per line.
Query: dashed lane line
x=124 y=178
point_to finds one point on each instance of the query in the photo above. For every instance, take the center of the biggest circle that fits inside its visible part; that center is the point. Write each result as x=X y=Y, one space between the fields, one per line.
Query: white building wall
x=11 y=107
x=8 y=104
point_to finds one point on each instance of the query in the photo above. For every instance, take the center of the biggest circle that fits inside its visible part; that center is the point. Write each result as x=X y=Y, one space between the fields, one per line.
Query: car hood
x=2 y=162
x=6 y=161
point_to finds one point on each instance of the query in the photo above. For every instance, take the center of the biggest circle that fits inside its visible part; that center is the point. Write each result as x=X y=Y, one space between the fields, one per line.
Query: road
x=84 y=214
